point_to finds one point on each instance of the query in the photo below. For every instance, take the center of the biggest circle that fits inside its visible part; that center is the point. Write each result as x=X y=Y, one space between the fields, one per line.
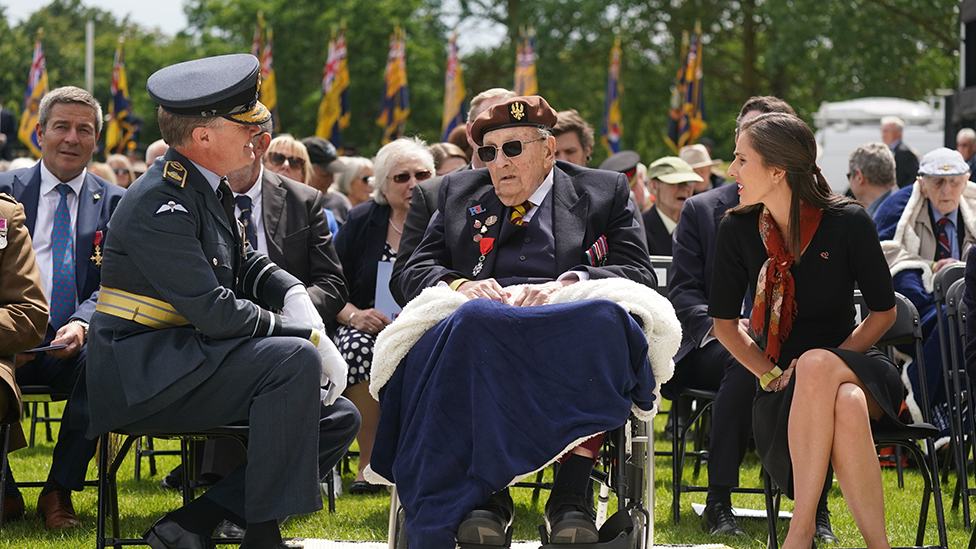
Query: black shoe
x=362 y=487
x=568 y=520
x=167 y=534
x=718 y=520
x=488 y=524
x=228 y=529
x=824 y=533
x=173 y=480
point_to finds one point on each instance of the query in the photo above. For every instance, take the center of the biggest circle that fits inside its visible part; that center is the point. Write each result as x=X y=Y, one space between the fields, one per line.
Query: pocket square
x=597 y=254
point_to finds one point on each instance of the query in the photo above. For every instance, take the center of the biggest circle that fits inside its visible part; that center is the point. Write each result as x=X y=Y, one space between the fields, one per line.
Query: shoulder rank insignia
x=175 y=173
x=171 y=207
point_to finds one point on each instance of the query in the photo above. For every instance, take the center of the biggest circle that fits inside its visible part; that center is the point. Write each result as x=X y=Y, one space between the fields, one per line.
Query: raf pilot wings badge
x=171 y=207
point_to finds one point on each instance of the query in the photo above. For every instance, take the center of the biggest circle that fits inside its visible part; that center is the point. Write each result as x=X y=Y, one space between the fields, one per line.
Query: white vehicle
x=846 y=125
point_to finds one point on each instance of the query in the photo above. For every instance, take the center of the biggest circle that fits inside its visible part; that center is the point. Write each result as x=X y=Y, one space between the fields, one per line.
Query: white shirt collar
x=254 y=193
x=669 y=223
x=49 y=181
x=539 y=195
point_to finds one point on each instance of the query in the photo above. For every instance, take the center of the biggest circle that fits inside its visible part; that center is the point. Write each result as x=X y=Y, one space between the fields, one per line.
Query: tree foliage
x=805 y=51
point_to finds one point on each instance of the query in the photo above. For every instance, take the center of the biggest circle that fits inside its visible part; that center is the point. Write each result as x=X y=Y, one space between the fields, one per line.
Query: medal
x=491 y=220
x=477 y=224
x=485 y=245
x=477 y=238
x=97 y=256
x=3 y=233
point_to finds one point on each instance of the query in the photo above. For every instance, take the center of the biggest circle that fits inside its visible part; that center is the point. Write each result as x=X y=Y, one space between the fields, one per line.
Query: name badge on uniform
x=3 y=233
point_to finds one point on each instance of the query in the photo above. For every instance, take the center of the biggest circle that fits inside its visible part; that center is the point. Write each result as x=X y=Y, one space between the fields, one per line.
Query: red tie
x=945 y=249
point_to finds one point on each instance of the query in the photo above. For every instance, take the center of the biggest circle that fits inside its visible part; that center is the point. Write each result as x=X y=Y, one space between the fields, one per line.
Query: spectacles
x=404 y=177
x=121 y=171
x=511 y=150
x=364 y=178
x=278 y=159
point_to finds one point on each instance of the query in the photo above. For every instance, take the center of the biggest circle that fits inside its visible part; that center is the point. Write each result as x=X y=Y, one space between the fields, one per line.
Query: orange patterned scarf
x=775 y=288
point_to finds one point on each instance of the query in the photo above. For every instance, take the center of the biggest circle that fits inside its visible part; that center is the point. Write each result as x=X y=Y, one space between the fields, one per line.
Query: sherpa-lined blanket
x=477 y=394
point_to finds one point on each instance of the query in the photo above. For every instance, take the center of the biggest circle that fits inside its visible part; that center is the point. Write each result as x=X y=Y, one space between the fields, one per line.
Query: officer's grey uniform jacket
x=175 y=244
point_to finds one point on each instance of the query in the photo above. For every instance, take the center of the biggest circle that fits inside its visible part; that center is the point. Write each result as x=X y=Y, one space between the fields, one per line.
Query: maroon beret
x=530 y=110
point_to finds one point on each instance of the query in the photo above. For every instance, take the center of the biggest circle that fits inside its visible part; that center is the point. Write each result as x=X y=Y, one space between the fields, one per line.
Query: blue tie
x=244 y=203
x=63 y=268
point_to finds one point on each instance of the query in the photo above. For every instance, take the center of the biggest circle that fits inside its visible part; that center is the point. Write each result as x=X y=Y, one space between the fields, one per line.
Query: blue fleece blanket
x=495 y=392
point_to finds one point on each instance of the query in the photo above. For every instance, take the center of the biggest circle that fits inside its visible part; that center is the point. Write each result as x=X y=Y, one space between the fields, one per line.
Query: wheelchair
x=624 y=468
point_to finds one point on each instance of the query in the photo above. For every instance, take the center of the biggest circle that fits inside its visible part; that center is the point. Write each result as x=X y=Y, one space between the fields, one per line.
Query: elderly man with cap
x=526 y=219
x=325 y=164
x=672 y=181
x=936 y=228
x=698 y=158
x=184 y=337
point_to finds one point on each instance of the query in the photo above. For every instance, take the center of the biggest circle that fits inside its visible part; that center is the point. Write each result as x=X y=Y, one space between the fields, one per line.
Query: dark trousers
x=272 y=384
x=73 y=451
x=712 y=368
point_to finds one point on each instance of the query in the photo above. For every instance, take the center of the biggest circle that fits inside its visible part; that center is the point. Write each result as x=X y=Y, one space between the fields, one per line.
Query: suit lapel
x=273 y=211
x=89 y=206
x=568 y=221
x=27 y=191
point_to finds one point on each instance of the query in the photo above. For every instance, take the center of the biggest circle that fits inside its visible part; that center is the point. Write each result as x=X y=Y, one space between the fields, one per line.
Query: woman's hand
x=369 y=321
x=783 y=380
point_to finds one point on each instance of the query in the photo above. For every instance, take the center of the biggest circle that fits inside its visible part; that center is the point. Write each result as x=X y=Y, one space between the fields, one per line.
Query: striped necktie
x=63 y=290
x=244 y=203
x=518 y=212
x=945 y=249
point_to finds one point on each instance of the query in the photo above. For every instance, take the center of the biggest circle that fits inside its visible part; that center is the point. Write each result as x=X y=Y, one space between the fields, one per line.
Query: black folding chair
x=662 y=269
x=941 y=282
x=907 y=329
x=962 y=397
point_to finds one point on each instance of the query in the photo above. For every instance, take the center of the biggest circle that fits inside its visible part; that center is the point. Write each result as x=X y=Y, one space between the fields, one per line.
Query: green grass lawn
x=365 y=517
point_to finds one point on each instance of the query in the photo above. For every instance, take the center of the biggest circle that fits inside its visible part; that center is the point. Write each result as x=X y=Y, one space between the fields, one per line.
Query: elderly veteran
x=936 y=228
x=184 y=337
x=672 y=181
x=698 y=158
x=506 y=383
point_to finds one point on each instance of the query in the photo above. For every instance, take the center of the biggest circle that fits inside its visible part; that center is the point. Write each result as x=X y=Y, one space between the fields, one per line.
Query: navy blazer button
x=521 y=258
x=215 y=262
x=528 y=239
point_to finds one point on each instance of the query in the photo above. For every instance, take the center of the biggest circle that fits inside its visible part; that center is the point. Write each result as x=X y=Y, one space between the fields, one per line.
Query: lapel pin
x=96 y=196
x=477 y=209
x=491 y=220
x=825 y=255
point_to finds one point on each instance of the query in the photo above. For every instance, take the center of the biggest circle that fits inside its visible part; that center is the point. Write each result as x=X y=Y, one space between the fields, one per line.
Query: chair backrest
x=662 y=269
x=907 y=327
x=953 y=300
x=945 y=278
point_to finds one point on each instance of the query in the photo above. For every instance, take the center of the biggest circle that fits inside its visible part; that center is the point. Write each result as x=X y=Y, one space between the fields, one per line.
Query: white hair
x=898 y=122
x=967 y=135
x=390 y=156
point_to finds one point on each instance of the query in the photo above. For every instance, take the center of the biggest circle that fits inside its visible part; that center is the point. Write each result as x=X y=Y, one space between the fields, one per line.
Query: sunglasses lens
x=294 y=162
x=401 y=177
x=486 y=154
x=512 y=148
x=422 y=176
x=276 y=158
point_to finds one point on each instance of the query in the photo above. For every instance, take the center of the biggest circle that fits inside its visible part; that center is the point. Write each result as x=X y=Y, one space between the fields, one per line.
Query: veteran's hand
x=538 y=294
x=71 y=334
x=487 y=289
x=370 y=321
x=942 y=263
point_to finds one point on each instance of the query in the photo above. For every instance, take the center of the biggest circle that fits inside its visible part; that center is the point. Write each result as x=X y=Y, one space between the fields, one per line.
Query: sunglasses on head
x=278 y=159
x=511 y=150
x=404 y=177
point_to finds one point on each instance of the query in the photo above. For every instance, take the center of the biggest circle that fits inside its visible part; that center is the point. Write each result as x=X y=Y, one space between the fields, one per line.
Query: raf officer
x=181 y=339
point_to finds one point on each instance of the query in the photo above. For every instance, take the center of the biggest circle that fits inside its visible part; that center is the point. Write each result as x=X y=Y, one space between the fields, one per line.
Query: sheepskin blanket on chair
x=477 y=394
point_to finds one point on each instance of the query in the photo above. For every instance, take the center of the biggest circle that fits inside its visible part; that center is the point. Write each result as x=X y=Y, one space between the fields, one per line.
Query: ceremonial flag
x=118 y=134
x=395 y=105
x=257 y=43
x=454 y=94
x=36 y=88
x=687 y=113
x=333 y=114
x=525 y=79
x=264 y=51
x=613 y=128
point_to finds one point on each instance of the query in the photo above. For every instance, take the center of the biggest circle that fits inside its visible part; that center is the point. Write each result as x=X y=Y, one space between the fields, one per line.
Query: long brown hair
x=784 y=141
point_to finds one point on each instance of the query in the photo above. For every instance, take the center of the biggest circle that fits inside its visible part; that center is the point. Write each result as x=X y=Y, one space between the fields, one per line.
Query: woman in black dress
x=800 y=250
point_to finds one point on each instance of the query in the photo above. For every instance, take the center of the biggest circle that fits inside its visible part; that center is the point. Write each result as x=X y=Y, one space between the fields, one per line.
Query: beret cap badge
x=518 y=111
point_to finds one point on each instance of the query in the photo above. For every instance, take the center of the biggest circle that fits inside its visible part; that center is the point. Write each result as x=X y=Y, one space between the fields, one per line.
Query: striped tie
x=945 y=249
x=518 y=212
x=244 y=203
x=63 y=292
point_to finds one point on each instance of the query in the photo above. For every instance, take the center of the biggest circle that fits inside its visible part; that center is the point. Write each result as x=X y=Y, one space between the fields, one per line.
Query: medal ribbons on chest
x=485 y=243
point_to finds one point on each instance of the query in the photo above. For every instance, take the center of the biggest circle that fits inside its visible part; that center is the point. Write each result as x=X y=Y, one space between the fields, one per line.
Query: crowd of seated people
x=496 y=218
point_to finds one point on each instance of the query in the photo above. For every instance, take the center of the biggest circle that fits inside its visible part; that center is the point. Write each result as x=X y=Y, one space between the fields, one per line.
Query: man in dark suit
x=67 y=211
x=423 y=202
x=205 y=352
x=906 y=162
x=528 y=220
x=8 y=133
x=672 y=180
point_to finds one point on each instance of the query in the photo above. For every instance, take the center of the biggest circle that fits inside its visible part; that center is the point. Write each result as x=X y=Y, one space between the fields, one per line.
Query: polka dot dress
x=356 y=346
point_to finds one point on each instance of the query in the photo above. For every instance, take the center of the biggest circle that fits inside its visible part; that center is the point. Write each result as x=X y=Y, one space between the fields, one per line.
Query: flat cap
x=623 y=162
x=322 y=153
x=226 y=85
x=672 y=170
x=942 y=162
x=530 y=110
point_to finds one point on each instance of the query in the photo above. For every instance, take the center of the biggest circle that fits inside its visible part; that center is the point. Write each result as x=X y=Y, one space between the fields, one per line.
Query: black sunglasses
x=511 y=150
x=404 y=177
x=278 y=159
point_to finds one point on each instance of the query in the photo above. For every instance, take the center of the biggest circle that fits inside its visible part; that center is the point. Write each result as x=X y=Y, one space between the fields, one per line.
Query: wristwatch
x=84 y=328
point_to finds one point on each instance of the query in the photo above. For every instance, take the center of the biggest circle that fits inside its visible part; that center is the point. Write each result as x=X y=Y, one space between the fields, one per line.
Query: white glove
x=334 y=367
x=299 y=306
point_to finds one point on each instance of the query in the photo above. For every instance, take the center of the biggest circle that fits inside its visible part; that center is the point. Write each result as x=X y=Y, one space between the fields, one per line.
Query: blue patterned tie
x=63 y=262
x=244 y=203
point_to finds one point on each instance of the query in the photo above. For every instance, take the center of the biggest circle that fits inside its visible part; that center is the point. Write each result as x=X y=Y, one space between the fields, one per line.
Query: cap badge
x=945 y=168
x=518 y=111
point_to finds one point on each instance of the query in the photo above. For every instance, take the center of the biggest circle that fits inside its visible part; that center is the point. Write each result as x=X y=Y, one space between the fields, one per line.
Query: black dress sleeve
x=868 y=264
x=730 y=278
